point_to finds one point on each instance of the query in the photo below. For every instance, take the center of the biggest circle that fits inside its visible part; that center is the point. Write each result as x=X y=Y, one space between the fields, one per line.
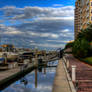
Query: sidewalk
x=61 y=83
x=7 y=73
x=83 y=74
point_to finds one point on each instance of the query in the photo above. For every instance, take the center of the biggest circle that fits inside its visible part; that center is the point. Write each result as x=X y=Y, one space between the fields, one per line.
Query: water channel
x=44 y=81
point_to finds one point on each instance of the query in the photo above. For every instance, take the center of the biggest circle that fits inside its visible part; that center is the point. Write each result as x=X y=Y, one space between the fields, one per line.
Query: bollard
x=73 y=73
x=67 y=64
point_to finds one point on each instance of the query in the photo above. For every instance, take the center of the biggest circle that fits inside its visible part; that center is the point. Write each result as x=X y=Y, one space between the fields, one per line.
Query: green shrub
x=69 y=45
x=86 y=33
x=88 y=60
x=81 y=48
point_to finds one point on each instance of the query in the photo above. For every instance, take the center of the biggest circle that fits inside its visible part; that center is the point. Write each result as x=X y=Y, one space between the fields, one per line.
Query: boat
x=9 y=52
x=1 y=58
x=11 y=56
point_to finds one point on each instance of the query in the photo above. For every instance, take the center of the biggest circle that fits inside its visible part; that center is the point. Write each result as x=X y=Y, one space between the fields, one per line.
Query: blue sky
x=46 y=24
x=41 y=3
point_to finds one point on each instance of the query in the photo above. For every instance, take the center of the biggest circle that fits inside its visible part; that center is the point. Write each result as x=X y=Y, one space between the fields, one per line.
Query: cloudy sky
x=46 y=24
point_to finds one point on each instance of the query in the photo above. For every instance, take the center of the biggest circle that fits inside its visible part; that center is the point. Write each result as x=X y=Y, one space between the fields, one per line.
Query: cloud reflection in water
x=45 y=82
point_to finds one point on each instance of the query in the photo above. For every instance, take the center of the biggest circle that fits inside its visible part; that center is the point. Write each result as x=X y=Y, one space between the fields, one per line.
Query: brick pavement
x=83 y=74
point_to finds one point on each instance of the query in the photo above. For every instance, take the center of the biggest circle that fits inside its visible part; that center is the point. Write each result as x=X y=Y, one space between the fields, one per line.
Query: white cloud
x=50 y=35
x=39 y=24
x=31 y=12
x=9 y=30
x=31 y=41
x=15 y=31
x=49 y=45
x=55 y=18
x=60 y=41
x=65 y=30
x=67 y=35
x=12 y=32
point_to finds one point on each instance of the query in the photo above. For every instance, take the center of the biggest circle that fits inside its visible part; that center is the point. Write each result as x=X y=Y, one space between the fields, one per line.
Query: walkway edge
x=12 y=78
x=68 y=78
x=60 y=82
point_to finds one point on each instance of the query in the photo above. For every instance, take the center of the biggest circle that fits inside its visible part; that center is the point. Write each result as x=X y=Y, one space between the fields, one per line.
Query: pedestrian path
x=61 y=83
x=83 y=74
x=7 y=73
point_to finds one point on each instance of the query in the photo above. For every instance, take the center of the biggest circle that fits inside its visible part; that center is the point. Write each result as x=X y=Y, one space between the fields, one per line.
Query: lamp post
x=45 y=59
x=36 y=68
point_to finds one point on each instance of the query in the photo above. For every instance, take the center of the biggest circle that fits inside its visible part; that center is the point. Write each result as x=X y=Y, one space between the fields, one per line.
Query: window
x=91 y=18
x=91 y=3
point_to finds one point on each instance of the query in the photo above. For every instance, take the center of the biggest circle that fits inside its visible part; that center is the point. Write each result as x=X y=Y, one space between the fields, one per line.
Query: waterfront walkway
x=61 y=83
x=9 y=76
x=7 y=73
x=83 y=74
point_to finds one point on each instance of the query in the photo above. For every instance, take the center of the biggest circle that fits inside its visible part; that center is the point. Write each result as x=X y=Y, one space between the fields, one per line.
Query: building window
x=91 y=18
x=91 y=3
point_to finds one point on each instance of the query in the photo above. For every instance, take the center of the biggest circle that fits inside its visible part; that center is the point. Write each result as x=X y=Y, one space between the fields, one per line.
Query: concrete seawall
x=9 y=76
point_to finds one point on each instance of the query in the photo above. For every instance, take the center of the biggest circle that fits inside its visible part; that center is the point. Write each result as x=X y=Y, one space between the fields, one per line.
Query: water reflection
x=45 y=82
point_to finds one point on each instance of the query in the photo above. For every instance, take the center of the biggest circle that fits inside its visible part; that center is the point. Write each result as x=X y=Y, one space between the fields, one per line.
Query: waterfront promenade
x=6 y=74
x=61 y=82
x=83 y=74
x=9 y=76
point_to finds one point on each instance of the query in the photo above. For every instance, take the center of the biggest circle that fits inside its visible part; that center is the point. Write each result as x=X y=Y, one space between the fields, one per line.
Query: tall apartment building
x=83 y=15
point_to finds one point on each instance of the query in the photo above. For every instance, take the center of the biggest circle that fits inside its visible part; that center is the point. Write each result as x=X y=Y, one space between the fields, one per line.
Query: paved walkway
x=7 y=73
x=83 y=74
x=61 y=82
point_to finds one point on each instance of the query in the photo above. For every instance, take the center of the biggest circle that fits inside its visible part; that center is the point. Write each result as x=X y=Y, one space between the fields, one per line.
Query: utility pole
x=0 y=39
x=36 y=62
x=45 y=59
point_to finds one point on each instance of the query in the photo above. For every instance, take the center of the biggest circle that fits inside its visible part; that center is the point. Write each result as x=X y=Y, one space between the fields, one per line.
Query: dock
x=61 y=82
x=9 y=76
x=12 y=71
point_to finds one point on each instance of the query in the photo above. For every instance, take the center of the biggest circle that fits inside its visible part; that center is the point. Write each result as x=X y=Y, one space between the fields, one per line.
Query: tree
x=81 y=48
x=86 y=33
x=69 y=45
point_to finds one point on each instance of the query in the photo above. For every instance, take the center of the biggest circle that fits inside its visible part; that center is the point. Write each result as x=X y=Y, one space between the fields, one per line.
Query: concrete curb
x=72 y=88
x=7 y=81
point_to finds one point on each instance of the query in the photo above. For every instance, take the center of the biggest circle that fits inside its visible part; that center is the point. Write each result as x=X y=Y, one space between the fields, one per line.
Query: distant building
x=8 y=47
x=83 y=15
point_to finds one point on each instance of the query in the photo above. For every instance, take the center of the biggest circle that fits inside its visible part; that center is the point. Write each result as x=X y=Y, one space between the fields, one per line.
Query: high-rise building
x=83 y=15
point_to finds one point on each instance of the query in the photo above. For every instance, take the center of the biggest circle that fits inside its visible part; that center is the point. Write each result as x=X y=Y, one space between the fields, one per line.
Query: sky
x=45 y=24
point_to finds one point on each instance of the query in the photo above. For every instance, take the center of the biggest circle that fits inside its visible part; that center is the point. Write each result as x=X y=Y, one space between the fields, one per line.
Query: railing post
x=73 y=73
x=67 y=63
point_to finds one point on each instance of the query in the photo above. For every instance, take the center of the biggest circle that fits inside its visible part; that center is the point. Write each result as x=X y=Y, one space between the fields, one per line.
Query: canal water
x=44 y=81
